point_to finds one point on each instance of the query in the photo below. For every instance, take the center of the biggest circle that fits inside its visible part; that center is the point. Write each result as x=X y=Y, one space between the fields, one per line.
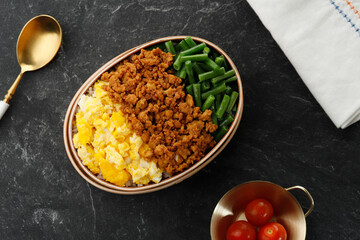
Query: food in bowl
x=272 y=231
x=258 y=213
x=241 y=230
x=139 y=126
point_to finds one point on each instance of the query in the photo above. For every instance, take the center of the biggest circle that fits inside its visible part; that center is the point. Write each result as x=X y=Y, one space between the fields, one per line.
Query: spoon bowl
x=37 y=45
x=38 y=42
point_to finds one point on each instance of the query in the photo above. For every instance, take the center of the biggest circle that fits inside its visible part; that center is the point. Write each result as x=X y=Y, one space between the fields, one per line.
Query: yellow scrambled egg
x=107 y=146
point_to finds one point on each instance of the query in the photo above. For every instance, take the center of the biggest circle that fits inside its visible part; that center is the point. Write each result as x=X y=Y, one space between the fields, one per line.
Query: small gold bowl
x=106 y=186
x=287 y=209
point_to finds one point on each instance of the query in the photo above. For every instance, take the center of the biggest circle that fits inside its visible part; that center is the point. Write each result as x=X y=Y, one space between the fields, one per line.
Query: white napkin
x=321 y=38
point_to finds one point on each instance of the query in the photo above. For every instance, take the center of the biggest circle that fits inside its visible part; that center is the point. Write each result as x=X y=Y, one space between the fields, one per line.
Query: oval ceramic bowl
x=287 y=209
x=104 y=185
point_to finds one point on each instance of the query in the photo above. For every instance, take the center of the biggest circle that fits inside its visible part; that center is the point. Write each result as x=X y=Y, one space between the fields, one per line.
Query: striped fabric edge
x=350 y=11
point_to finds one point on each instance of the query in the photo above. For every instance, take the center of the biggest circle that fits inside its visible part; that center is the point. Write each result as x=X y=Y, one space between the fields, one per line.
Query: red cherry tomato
x=259 y=212
x=241 y=230
x=272 y=231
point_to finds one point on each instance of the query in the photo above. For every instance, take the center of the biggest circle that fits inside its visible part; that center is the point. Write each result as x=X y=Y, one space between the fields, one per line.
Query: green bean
x=234 y=96
x=184 y=46
x=197 y=94
x=205 y=67
x=234 y=108
x=177 y=47
x=190 y=72
x=177 y=64
x=182 y=72
x=190 y=90
x=217 y=100
x=212 y=64
x=175 y=57
x=223 y=106
x=220 y=133
x=219 y=60
x=214 y=91
x=225 y=64
x=225 y=75
x=213 y=116
x=197 y=68
x=195 y=49
x=215 y=54
x=231 y=79
x=205 y=86
x=195 y=57
x=170 y=47
x=190 y=42
x=211 y=74
x=228 y=90
x=206 y=50
x=208 y=102
x=229 y=119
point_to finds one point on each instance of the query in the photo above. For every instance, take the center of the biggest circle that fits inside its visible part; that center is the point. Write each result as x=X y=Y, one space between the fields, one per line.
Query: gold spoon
x=37 y=45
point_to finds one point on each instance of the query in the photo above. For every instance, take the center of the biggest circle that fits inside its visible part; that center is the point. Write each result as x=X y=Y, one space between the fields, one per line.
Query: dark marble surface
x=284 y=136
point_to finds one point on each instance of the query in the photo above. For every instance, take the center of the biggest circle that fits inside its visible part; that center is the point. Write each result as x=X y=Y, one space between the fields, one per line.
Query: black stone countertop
x=284 y=136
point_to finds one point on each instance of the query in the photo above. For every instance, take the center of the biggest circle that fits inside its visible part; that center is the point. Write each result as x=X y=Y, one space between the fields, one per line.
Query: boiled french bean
x=223 y=106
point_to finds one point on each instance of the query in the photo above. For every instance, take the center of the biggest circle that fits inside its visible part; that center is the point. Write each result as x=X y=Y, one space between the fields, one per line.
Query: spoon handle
x=13 y=87
x=3 y=107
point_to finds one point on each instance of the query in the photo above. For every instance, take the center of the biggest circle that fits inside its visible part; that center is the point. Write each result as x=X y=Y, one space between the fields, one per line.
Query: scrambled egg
x=107 y=146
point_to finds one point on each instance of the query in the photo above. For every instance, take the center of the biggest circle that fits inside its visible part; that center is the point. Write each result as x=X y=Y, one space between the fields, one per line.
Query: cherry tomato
x=259 y=212
x=241 y=230
x=272 y=231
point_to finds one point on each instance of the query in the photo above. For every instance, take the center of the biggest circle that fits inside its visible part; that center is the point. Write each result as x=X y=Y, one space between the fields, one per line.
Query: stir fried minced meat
x=159 y=110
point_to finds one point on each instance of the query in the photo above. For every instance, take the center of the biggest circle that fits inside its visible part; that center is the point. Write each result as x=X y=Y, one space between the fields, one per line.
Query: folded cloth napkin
x=321 y=38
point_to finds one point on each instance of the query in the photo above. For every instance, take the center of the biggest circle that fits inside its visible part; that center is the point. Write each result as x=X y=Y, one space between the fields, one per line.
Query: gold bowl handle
x=308 y=196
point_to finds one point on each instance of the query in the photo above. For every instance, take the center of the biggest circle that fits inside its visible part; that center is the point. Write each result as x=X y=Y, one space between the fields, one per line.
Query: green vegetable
x=197 y=68
x=190 y=72
x=211 y=74
x=213 y=116
x=223 y=106
x=220 y=133
x=225 y=64
x=206 y=50
x=194 y=49
x=225 y=75
x=234 y=108
x=212 y=64
x=182 y=72
x=229 y=119
x=205 y=66
x=205 y=86
x=184 y=46
x=177 y=64
x=190 y=90
x=195 y=57
x=177 y=47
x=220 y=60
x=208 y=102
x=234 y=96
x=197 y=94
x=215 y=54
x=214 y=91
x=190 y=41
x=228 y=90
x=231 y=79
x=170 y=47
x=217 y=100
